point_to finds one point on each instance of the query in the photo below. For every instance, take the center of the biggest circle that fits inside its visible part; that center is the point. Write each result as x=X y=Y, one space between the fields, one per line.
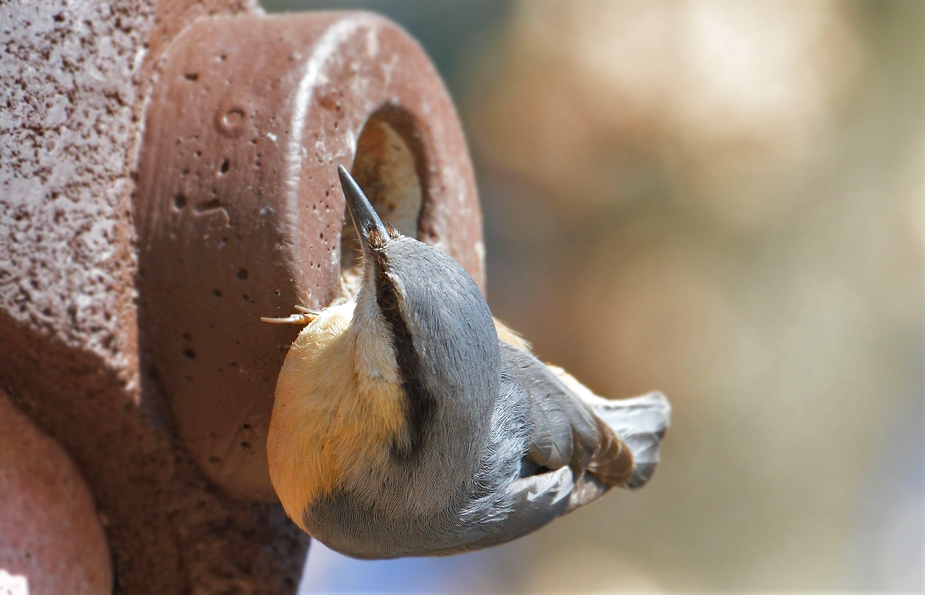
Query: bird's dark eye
x=385 y=297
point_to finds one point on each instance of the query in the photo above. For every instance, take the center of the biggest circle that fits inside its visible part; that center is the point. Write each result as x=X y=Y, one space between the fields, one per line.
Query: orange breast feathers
x=338 y=410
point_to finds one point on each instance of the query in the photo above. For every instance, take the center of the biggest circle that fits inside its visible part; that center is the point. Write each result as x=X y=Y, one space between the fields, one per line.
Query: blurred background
x=722 y=200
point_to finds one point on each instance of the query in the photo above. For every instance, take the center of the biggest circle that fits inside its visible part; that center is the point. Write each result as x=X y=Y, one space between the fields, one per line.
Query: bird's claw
x=302 y=317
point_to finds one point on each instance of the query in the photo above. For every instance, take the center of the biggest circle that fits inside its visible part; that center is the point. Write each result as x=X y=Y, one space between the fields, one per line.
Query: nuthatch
x=408 y=422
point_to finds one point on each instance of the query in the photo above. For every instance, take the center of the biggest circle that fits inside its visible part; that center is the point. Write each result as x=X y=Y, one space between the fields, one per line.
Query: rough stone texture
x=49 y=530
x=73 y=82
x=240 y=212
x=73 y=78
x=97 y=372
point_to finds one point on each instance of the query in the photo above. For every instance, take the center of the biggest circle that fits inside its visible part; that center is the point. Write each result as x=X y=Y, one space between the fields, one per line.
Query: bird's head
x=417 y=312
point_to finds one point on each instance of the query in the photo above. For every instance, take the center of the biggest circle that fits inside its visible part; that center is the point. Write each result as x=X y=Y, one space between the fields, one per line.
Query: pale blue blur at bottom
x=889 y=535
x=327 y=571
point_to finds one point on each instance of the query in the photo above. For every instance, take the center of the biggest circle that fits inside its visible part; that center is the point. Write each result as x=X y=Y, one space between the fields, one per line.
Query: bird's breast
x=331 y=419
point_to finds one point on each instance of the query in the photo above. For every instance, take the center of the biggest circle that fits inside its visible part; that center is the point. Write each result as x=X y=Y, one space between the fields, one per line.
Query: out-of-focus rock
x=51 y=539
x=597 y=102
x=700 y=197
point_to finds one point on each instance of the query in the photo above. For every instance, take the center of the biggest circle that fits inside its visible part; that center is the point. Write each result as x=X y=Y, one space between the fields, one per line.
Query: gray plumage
x=498 y=444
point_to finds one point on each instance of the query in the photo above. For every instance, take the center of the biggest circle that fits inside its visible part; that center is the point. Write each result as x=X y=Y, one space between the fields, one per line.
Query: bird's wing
x=566 y=431
x=530 y=503
x=574 y=455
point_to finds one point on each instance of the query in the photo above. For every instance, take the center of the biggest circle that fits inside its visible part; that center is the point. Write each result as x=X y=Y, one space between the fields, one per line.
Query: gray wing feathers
x=535 y=501
x=577 y=447
x=539 y=499
x=575 y=427
x=566 y=431
x=641 y=423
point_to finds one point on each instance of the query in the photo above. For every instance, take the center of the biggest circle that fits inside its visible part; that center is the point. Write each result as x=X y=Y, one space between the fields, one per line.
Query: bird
x=407 y=421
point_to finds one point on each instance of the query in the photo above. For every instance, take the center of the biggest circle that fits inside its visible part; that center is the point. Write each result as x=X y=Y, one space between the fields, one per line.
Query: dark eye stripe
x=419 y=402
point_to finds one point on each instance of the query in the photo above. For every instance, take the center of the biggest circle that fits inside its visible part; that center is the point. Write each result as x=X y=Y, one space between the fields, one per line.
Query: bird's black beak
x=365 y=219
